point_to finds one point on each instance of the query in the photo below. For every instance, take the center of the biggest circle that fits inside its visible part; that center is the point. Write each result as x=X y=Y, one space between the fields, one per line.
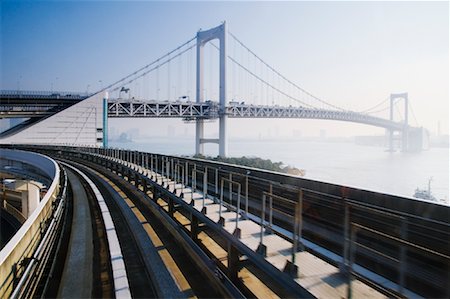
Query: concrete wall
x=80 y=124
x=25 y=240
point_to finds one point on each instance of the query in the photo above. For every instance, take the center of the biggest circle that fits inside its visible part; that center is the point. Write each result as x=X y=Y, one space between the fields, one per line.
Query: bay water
x=345 y=163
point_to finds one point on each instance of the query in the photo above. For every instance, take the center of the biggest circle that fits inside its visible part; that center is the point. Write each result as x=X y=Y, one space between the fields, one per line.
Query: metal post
x=172 y=169
x=238 y=206
x=171 y=207
x=230 y=186
x=295 y=232
x=205 y=186
x=168 y=170
x=263 y=216
x=194 y=227
x=246 y=195
x=151 y=163
x=221 y=198
x=300 y=218
x=346 y=236
x=177 y=171
x=352 y=256
x=156 y=168
x=193 y=181
x=186 y=167
x=233 y=262
x=182 y=175
x=216 y=182
x=403 y=235
x=270 y=206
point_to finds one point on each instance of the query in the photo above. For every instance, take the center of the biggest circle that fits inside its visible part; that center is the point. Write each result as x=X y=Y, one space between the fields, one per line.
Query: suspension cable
x=381 y=110
x=413 y=114
x=375 y=106
x=156 y=67
x=286 y=79
x=264 y=81
x=146 y=66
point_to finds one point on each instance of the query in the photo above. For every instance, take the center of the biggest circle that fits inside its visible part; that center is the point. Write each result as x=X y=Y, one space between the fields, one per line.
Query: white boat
x=425 y=194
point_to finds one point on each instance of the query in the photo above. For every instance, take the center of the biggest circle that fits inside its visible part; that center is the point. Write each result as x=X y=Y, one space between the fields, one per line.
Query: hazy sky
x=352 y=54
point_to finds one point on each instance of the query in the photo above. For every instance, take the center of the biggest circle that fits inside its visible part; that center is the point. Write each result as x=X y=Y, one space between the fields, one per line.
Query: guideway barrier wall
x=23 y=259
x=292 y=204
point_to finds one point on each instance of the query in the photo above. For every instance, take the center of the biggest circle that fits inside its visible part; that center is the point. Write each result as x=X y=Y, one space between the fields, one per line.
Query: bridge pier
x=203 y=37
x=223 y=140
x=404 y=132
x=199 y=134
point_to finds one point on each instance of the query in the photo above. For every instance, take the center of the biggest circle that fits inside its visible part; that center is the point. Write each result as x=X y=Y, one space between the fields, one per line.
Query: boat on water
x=425 y=193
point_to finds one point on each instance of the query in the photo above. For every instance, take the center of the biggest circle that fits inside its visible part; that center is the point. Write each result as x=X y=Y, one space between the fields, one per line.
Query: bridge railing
x=43 y=94
x=23 y=256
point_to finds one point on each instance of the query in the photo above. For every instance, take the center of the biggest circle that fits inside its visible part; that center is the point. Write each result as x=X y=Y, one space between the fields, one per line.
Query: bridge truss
x=211 y=110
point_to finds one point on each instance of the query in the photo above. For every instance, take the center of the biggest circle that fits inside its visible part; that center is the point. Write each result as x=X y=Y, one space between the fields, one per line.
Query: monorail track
x=156 y=265
x=189 y=262
x=404 y=244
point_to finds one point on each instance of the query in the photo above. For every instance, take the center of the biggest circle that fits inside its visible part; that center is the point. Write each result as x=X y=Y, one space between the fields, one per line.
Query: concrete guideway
x=243 y=245
x=121 y=287
x=215 y=275
x=80 y=248
x=171 y=275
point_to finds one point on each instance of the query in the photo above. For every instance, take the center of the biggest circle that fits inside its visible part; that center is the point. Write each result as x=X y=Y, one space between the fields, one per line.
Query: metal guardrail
x=215 y=189
x=43 y=94
x=345 y=209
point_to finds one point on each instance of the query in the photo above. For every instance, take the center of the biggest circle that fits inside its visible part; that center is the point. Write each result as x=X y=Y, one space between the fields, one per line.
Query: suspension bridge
x=139 y=224
x=240 y=85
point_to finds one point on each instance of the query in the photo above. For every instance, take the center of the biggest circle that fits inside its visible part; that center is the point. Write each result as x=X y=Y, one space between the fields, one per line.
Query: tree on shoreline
x=256 y=162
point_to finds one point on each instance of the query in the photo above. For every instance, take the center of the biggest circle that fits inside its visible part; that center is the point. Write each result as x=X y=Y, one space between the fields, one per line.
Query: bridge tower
x=203 y=37
x=404 y=132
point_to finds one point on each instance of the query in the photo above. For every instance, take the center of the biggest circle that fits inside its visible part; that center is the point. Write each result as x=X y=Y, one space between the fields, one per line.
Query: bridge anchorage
x=263 y=92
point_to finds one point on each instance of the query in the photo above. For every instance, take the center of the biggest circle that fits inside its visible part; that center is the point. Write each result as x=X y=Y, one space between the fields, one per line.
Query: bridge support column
x=223 y=142
x=220 y=33
x=391 y=140
x=105 y=120
x=404 y=131
x=199 y=130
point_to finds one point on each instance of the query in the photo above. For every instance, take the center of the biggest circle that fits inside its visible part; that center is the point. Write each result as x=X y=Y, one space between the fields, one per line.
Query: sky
x=352 y=54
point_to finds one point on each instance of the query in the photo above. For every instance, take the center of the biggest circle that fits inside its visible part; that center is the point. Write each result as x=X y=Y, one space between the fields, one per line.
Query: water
x=370 y=168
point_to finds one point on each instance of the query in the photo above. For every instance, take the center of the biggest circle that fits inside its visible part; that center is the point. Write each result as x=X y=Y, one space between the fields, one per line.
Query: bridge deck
x=320 y=278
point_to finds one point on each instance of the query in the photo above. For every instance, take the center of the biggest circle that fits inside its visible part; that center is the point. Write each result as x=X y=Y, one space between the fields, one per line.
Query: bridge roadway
x=14 y=104
x=210 y=110
x=378 y=256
